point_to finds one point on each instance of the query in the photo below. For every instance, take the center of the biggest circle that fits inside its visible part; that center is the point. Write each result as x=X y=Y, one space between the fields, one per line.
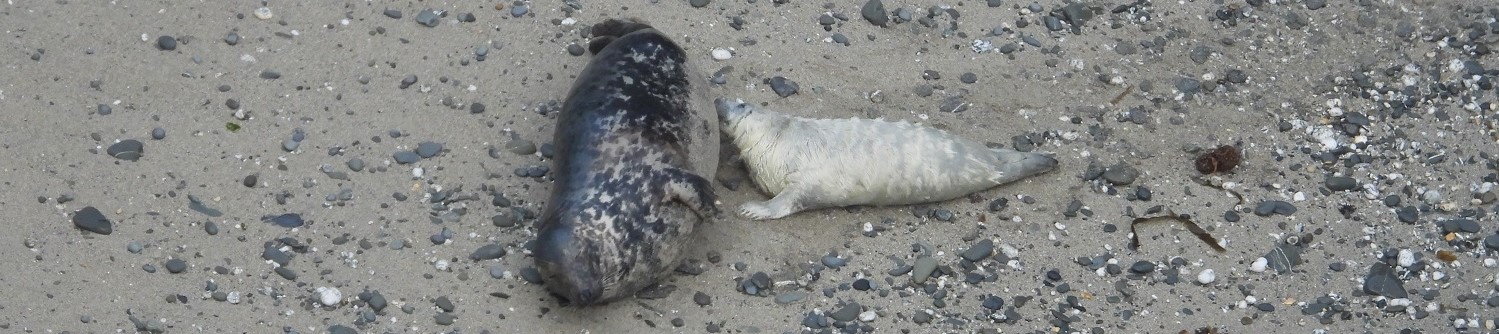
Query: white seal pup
x=636 y=147
x=818 y=163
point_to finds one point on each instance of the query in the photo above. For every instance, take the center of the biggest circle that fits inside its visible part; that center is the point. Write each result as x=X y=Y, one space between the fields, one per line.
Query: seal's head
x=735 y=121
x=571 y=267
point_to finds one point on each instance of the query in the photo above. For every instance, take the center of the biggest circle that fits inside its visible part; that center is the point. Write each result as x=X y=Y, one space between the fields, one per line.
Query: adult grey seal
x=818 y=163
x=635 y=150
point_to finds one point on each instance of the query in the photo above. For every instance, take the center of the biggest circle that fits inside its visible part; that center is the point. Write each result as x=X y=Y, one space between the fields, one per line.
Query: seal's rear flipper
x=1011 y=165
x=693 y=190
x=607 y=31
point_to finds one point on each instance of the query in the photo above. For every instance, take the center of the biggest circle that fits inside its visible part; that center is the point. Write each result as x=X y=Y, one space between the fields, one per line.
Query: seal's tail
x=607 y=31
x=1011 y=165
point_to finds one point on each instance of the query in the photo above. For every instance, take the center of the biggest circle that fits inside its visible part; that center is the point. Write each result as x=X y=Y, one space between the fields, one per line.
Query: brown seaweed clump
x=1220 y=160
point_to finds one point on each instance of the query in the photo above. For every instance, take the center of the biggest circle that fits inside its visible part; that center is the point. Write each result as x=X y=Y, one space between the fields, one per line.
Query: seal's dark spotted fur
x=636 y=149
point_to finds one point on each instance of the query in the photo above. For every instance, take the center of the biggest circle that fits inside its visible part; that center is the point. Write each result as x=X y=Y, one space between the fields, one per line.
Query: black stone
x=90 y=219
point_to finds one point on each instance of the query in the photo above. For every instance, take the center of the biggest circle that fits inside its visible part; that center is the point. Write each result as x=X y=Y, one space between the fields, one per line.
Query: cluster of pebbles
x=1366 y=199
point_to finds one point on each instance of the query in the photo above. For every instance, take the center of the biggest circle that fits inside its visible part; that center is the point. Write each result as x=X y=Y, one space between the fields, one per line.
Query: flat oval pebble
x=488 y=252
x=128 y=150
x=90 y=219
x=428 y=149
x=406 y=157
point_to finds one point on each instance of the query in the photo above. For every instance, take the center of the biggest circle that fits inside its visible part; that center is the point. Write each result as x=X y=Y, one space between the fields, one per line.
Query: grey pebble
x=1382 y=281
x=273 y=254
x=531 y=275
x=1200 y=53
x=167 y=43
x=149 y=268
x=1460 y=225
x=341 y=329
x=104 y=110
x=393 y=13
x=406 y=157
x=1236 y=76
x=176 y=266
x=923 y=269
x=783 y=86
x=428 y=149
x=134 y=247
x=488 y=252
x=211 y=228
x=1125 y=49
x=287 y=273
x=1315 y=4
x=1492 y=242
x=355 y=164
x=519 y=10
x=1121 y=174
x=270 y=74
x=1008 y=48
x=427 y=17
x=497 y=272
x=90 y=219
x=1407 y=214
x=445 y=304
x=979 y=251
x=444 y=318
x=158 y=133
x=789 y=297
x=575 y=49
x=1267 y=208
x=874 y=12
x=1142 y=267
x=702 y=299
x=968 y=78
x=1052 y=23
x=521 y=146
x=290 y=145
x=129 y=149
x=251 y=180
x=1340 y=183
x=374 y=299
x=476 y=108
x=407 y=81
x=1188 y=86
x=840 y=39
x=232 y=38
x=1028 y=39
x=833 y=261
x=847 y=312
x=698 y=3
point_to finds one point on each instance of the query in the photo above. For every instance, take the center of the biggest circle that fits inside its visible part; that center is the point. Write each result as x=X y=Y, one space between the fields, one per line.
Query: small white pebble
x=441 y=265
x=1406 y=258
x=1206 y=276
x=868 y=316
x=264 y=13
x=1259 y=265
x=868 y=227
x=722 y=54
x=233 y=297
x=329 y=296
x=417 y=172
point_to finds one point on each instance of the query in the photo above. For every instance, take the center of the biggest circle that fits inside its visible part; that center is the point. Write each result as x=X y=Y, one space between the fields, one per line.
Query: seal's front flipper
x=784 y=204
x=1010 y=165
x=693 y=190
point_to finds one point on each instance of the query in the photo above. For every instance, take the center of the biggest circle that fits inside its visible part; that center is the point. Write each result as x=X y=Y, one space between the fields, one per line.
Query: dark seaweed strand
x=1172 y=216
